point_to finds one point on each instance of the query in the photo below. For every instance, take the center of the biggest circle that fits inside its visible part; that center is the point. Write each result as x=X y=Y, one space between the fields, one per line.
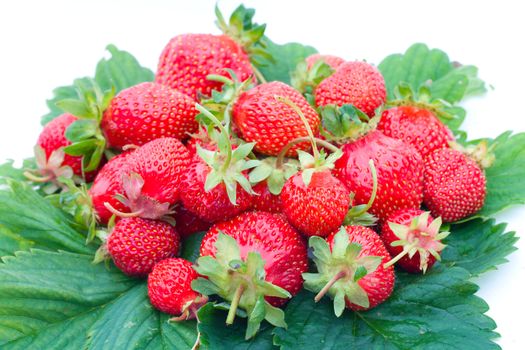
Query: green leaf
x=10 y=242
x=216 y=335
x=80 y=130
x=81 y=148
x=285 y=59
x=59 y=94
x=435 y=310
x=8 y=171
x=191 y=246
x=478 y=246
x=28 y=215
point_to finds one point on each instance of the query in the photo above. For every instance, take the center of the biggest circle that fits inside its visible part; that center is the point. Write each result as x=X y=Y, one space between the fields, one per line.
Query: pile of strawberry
x=267 y=170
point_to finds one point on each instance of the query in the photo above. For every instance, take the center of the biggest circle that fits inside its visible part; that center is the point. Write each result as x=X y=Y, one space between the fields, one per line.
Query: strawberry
x=272 y=124
x=356 y=83
x=351 y=269
x=169 y=289
x=146 y=112
x=253 y=261
x=416 y=126
x=137 y=244
x=331 y=60
x=455 y=185
x=412 y=236
x=188 y=223
x=266 y=200
x=399 y=173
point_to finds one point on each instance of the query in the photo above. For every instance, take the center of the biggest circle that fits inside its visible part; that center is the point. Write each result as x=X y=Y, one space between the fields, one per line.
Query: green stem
x=399 y=256
x=235 y=304
x=280 y=157
x=36 y=178
x=329 y=285
x=258 y=75
x=374 y=190
x=219 y=78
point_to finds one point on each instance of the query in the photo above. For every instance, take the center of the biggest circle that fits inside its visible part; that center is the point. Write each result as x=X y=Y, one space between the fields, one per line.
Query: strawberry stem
x=36 y=178
x=259 y=75
x=280 y=158
x=399 y=256
x=329 y=285
x=373 y=171
x=235 y=304
x=121 y=214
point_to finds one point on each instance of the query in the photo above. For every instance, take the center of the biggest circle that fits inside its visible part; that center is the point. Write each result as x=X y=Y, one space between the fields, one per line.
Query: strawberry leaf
x=437 y=309
x=10 y=242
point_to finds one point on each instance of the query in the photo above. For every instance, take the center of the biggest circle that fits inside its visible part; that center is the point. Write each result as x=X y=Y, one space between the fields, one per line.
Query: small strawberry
x=331 y=60
x=455 y=185
x=254 y=261
x=136 y=244
x=270 y=123
x=351 y=269
x=418 y=127
x=412 y=237
x=312 y=71
x=356 y=83
x=146 y=112
x=169 y=289
x=187 y=223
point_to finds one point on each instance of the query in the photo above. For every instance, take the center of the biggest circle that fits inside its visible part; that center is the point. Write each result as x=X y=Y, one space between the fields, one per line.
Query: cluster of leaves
x=53 y=297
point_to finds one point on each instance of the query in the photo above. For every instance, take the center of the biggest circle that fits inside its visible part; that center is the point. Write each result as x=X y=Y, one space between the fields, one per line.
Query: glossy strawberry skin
x=279 y=244
x=416 y=126
x=146 y=112
x=317 y=209
x=331 y=60
x=404 y=217
x=380 y=283
x=136 y=244
x=188 y=223
x=169 y=285
x=53 y=138
x=189 y=58
x=455 y=186
x=399 y=173
x=214 y=205
x=265 y=200
x=107 y=184
x=270 y=123
x=356 y=83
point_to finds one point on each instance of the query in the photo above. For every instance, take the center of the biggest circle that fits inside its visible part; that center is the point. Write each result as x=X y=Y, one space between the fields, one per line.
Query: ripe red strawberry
x=272 y=124
x=146 y=112
x=351 y=269
x=416 y=126
x=188 y=223
x=356 y=83
x=264 y=200
x=331 y=60
x=136 y=244
x=254 y=256
x=189 y=58
x=169 y=288
x=316 y=209
x=107 y=184
x=399 y=173
x=412 y=237
x=455 y=185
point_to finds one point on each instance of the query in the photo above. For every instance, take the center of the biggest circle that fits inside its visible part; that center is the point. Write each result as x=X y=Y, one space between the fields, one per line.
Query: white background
x=45 y=44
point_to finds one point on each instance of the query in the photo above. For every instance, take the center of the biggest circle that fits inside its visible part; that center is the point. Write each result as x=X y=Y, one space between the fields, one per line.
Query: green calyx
x=345 y=123
x=481 y=153
x=418 y=237
x=240 y=282
x=358 y=214
x=85 y=134
x=275 y=176
x=227 y=165
x=339 y=271
x=306 y=79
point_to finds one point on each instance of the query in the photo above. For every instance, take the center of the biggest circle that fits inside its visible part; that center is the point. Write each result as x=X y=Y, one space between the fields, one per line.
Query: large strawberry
x=188 y=223
x=254 y=261
x=351 y=269
x=271 y=123
x=169 y=289
x=455 y=185
x=399 y=173
x=356 y=83
x=312 y=71
x=136 y=244
x=146 y=112
x=412 y=237
x=265 y=200
x=416 y=126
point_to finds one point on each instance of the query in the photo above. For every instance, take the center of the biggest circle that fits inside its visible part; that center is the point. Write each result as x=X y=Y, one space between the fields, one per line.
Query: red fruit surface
x=455 y=185
x=136 y=244
x=405 y=217
x=319 y=208
x=214 y=205
x=265 y=200
x=380 y=283
x=416 y=126
x=331 y=60
x=399 y=173
x=279 y=244
x=189 y=58
x=188 y=223
x=53 y=138
x=107 y=184
x=270 y=123
x=146 y=112
x=169 y=285
x=357 y=83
